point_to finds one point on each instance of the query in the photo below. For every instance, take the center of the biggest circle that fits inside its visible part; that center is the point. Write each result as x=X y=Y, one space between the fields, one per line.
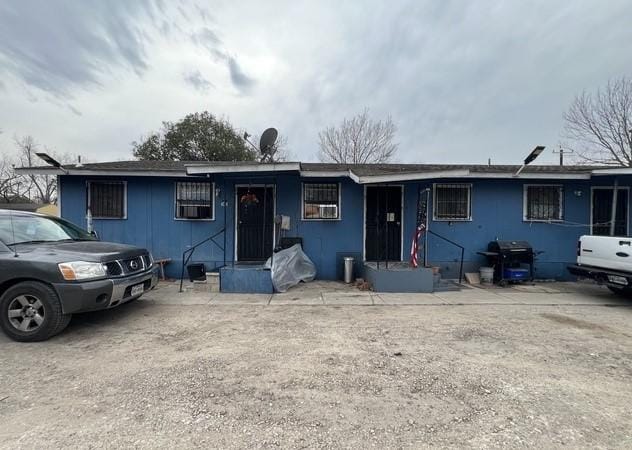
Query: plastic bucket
x=487 y=274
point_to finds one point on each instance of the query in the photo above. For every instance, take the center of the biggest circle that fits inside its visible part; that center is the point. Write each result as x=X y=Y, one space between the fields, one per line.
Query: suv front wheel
x=31 y=311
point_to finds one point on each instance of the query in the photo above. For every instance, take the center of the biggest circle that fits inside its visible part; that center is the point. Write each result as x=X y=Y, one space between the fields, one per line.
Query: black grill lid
x=499 y=246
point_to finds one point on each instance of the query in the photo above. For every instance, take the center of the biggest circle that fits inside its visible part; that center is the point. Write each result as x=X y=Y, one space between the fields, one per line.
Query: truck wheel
x=31 y=311
x=621 y=292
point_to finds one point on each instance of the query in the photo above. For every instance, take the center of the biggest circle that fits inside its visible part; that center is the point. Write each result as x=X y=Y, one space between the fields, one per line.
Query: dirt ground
x=534 y=371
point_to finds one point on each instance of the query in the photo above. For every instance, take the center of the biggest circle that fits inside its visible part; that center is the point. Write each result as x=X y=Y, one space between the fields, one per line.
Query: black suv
x=50 y=269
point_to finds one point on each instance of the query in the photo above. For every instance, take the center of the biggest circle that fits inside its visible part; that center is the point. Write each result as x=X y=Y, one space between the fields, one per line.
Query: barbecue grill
x=509 y=258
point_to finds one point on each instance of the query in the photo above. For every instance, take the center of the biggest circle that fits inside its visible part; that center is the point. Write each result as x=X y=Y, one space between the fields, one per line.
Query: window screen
x=106 y=199
x=321 y=201
x=452 y=202
x=543 y=203
x=194 y=200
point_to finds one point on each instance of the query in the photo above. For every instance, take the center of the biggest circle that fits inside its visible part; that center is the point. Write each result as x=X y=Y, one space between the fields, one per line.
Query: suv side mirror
x=94 y=234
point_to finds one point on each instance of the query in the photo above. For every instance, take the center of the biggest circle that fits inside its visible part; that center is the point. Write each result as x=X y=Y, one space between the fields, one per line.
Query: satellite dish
x=268 y=138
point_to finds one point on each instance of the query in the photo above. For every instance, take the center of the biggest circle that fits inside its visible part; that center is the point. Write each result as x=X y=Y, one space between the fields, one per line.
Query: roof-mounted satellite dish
x=268 y=139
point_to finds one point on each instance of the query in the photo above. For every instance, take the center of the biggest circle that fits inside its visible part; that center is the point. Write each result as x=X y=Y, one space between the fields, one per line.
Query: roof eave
x=100 y=172
x=201 y=169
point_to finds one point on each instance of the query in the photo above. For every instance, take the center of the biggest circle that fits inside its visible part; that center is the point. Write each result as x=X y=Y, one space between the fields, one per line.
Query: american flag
x=422 y=208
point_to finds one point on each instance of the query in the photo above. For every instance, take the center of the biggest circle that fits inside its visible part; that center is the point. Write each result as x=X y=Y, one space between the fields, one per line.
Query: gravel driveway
x=167 y=374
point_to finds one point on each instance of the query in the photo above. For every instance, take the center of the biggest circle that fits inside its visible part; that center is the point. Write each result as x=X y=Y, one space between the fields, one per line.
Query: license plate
x=137 y=290
x=617 y=280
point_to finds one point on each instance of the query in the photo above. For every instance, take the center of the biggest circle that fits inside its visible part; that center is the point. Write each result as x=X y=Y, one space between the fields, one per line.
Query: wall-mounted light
x=578 y=193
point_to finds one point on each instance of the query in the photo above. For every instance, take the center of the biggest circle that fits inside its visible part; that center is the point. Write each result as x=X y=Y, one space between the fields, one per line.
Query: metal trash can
x=348 y=269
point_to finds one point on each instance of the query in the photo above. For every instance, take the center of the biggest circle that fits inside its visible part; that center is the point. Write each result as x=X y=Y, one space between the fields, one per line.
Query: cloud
x=206 y=38
x=463 y=82
x=62 y=45
x=240 y=80
x=209 y=40
x=197 y=81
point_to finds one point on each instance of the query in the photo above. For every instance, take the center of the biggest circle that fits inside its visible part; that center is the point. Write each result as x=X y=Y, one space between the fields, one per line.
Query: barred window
x=107 y=199
x=452 y=202
x=321 y=201
x=194 y=200
x=543 y=202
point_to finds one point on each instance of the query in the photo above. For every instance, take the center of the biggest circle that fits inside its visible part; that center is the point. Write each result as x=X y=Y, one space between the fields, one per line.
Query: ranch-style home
x=367 y=211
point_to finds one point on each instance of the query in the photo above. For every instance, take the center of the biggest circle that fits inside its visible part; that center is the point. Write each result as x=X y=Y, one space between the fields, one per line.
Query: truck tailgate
x=606 y=251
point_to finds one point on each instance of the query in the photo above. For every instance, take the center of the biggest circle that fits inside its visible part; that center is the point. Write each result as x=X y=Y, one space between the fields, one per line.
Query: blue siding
x=497 y=211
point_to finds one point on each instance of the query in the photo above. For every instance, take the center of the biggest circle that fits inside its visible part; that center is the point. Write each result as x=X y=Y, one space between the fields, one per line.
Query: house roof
x=361 y=173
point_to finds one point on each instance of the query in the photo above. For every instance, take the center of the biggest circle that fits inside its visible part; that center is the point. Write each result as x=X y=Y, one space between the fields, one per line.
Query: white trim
x=364 y=223
x=469 y=201
x=235 y=234
x=410 y=176
x=532 y=176
x=89 y=182
x=324 y=173
x=98 y=173
x=525 y=190
x=201 y=169
x=613 y=171
x=58 y=181
x=226 y=168
x=619 y=188
x=175 y=201
x=401 y=223
x=337 y=219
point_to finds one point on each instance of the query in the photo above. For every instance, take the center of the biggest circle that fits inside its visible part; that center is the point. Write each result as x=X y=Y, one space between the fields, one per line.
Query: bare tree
x=600 y=125
x=42 y=188
x=359 y=140
x=9 y=181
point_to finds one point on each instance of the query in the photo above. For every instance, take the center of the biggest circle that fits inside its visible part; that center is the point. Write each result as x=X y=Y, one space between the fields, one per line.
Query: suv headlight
x=81 y=270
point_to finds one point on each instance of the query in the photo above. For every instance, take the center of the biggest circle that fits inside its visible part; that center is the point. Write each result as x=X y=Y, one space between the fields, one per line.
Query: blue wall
x=496 y=214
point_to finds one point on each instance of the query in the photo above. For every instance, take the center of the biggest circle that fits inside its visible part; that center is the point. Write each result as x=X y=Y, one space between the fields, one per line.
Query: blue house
x=366 y=211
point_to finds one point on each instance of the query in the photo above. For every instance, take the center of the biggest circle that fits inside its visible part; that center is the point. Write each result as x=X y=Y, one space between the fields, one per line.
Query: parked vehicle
x=607 y=260
x=51 y=269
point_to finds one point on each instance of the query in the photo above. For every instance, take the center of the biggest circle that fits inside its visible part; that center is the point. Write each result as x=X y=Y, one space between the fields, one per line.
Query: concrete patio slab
x=184 y=298
x=351 y=298
x=560 y=299
x=478 y=296
x=293 y=298
x=385 y=298
x=240 y=299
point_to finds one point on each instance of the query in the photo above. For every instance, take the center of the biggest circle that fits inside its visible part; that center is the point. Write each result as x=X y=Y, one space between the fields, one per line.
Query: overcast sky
x=462 y=80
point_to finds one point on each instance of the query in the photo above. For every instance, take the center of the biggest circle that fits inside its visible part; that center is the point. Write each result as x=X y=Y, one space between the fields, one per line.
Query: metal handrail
x=453 y=243
x=188 y=253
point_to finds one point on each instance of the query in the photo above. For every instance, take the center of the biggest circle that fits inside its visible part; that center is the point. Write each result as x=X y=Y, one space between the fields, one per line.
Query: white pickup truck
x=607 y=260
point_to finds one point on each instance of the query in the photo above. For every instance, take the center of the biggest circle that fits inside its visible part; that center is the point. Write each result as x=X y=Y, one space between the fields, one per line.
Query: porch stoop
x=211 y=284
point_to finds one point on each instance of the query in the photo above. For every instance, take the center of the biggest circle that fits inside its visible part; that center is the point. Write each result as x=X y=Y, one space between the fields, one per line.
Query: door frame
x=401 y=229
x=236 y=216
x=619 y=188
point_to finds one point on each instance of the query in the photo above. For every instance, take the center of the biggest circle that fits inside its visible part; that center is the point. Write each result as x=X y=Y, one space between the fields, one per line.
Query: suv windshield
x=21 y=229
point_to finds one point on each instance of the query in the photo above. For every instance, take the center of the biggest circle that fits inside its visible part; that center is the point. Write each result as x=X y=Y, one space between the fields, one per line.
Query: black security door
x=255 y=223
x=383 y=236
x=602 y=212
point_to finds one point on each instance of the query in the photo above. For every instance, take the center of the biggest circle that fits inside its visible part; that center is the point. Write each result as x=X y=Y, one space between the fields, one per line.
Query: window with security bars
x=194 y=200
x=321 y=201
x=106 y=199
x=452 y=202
x=543 y=203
